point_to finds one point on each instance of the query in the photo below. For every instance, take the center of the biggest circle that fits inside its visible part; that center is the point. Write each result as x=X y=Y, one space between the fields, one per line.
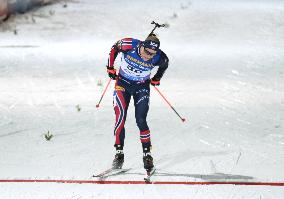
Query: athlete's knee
x=141 y=122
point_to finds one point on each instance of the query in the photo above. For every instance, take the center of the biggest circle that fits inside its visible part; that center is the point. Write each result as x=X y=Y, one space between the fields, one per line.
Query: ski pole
x=98 y=105
x=182 y=119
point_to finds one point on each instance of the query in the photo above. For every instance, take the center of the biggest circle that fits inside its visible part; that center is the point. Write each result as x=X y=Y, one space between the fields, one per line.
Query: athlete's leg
x=121 y=99
x=141 y=102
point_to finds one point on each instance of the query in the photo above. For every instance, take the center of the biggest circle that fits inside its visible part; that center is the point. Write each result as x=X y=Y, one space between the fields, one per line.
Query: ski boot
x=149 y=166
x=118 y=159
x=148 y=162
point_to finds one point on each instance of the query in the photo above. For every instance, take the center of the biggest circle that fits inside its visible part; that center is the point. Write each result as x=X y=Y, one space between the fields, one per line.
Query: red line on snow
x=142 y=182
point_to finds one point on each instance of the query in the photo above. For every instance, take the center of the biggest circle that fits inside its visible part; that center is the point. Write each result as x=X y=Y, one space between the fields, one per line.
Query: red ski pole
x=182 y=119
x=98 y=105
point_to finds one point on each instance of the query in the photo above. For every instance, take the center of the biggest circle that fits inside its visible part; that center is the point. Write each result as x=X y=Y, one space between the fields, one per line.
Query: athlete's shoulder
x=162 y=59
x=126 y=44
x=163 y=55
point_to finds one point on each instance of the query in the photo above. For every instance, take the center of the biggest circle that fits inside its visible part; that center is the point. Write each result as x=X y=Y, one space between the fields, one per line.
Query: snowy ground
x=226 y=77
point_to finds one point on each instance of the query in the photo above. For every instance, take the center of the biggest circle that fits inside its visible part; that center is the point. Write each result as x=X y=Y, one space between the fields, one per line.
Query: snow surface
x=225 y=77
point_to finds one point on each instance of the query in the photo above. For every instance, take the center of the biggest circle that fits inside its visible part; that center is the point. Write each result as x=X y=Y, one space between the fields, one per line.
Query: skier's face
x=147 y=53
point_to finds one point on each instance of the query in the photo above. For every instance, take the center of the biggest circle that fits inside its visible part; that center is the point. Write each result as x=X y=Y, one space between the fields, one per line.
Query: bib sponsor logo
x=138 y=61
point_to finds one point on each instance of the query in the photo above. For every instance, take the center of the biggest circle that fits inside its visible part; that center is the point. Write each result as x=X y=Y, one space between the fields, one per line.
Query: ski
x=149 y=174
x=110 y=172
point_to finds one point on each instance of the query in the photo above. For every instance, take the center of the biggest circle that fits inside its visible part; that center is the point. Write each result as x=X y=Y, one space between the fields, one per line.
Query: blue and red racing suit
x=134 y=80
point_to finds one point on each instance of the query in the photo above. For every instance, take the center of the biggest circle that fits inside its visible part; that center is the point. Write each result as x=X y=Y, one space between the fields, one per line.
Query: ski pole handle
x=98 y=105
x=182 y=119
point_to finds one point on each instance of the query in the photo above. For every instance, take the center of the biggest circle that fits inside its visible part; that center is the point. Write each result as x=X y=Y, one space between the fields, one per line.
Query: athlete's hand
x=111 y=72
x=155 y=82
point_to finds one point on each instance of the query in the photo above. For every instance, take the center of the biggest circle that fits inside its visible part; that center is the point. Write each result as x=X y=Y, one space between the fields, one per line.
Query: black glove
x=155 y=82
x=111 y=72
